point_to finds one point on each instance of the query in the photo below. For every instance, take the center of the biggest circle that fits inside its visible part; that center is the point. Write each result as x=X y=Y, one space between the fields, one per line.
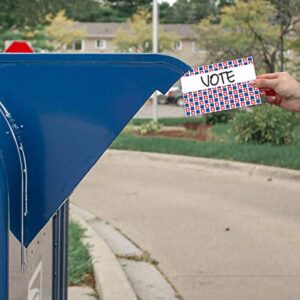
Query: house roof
x=183 y=30
x=108 y=30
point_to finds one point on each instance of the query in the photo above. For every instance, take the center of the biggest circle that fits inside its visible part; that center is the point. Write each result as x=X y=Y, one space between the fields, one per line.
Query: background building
x=100 y=37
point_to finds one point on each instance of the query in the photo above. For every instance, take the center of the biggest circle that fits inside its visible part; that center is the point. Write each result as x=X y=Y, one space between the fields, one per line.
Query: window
x=76 y=45
x=100 y=44
x=177 y=45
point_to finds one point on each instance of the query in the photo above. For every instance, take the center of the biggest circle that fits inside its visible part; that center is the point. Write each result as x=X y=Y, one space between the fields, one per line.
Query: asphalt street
x=217 y=233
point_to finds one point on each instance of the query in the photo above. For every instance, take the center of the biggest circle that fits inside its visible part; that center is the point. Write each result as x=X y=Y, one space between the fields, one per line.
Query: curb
x=210 y=164
x=111 y=280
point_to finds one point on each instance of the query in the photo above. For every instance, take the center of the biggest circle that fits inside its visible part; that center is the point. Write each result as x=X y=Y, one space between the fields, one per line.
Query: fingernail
x=263 y=93
x=251 y=83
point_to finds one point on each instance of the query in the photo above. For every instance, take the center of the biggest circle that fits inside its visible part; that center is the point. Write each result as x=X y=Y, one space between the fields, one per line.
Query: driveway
x=218 y=233
x=163 y=111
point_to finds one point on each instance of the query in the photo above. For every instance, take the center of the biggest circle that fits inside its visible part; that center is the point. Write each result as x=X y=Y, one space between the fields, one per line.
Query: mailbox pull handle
x=13 y=127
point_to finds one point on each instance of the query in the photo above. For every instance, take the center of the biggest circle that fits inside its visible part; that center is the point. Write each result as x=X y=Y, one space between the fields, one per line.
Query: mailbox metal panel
x=35 y=283
x=68 y=110
x=4 y=227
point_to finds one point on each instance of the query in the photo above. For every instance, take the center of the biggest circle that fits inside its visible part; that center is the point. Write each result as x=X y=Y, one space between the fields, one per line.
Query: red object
x=269 y=92
x=19 y=47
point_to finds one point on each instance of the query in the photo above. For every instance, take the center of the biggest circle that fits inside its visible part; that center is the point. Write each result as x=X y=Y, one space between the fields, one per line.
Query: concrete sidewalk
x=122 y=270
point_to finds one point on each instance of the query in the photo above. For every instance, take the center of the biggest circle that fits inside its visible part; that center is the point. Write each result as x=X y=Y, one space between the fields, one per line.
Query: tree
x=137 y=35
x=191 y=11
x=165 y=10
x=89 y=10
x=59 y=32
x=187 y=11
x=26 y=20
x=223 y=3
x=37 y=37
x=288 y=15
x=127 y=8
x=62 y=31
x=248 y=27
x=19 y=13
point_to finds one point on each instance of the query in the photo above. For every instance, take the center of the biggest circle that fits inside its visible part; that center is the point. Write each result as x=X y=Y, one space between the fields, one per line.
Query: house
x=100 y=39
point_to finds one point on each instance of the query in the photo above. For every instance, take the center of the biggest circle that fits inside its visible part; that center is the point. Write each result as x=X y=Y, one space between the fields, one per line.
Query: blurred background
x=196 y=31
x=226 y=232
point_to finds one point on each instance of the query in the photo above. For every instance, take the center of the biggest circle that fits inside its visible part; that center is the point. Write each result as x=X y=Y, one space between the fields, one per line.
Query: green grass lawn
x=80 y=265
x=222 y=147
x=169 y=121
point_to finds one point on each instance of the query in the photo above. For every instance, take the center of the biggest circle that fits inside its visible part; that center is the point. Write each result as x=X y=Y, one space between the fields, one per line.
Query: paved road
x=217 y=234
x=81 y=293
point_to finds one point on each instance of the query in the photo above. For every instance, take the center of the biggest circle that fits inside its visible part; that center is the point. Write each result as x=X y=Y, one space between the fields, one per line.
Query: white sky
x=170 y=1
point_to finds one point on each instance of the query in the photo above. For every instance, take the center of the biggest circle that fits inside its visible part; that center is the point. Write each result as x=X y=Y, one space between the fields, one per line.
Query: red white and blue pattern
x=220 y=98
x=220 y=66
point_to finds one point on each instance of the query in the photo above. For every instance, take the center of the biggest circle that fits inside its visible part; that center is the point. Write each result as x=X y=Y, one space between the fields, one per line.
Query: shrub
x=129 y=128
x=150 y=127
x=219 y=117
x=265 y=124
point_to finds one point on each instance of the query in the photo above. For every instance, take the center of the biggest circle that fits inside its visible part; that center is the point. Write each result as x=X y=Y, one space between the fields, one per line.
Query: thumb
x=265 y=83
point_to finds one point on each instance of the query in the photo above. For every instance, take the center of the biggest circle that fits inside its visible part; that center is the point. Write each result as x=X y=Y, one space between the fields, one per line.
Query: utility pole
x=155 y=50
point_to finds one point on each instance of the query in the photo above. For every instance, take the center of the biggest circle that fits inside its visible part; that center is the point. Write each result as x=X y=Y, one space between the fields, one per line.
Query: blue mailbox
x=58 y=114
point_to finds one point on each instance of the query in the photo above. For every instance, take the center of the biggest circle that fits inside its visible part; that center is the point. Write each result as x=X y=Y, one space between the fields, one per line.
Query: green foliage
x=137 y=36
x=223 y=3
x=36 y=36
x=124 y=9
x=103 y=10
x=186 y=11
x=219 y=117
x=169 y=121
x=89 y=11
x=80 y=264
x=62 y=31
x=242 y=29
x=18 y=14
x=265 y=124
x=282 y=156
x=150 y=127
x=58 y=32
x=129 y=128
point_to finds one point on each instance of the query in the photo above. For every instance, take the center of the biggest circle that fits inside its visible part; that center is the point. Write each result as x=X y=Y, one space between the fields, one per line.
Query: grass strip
x=287 y=156
x=80 y=269
x=169 y=121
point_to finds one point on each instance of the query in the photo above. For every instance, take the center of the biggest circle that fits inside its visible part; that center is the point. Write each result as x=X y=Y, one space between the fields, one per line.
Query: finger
x=278 y=100
x=271 y=99
x=266 y=83
x=268 y=76
x=267 y=92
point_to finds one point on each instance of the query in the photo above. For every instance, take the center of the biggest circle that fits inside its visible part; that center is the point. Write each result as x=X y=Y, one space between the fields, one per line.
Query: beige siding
x=186 y=51
x=90 y=46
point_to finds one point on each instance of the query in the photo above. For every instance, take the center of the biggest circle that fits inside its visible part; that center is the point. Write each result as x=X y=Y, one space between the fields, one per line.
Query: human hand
x=281 y=89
